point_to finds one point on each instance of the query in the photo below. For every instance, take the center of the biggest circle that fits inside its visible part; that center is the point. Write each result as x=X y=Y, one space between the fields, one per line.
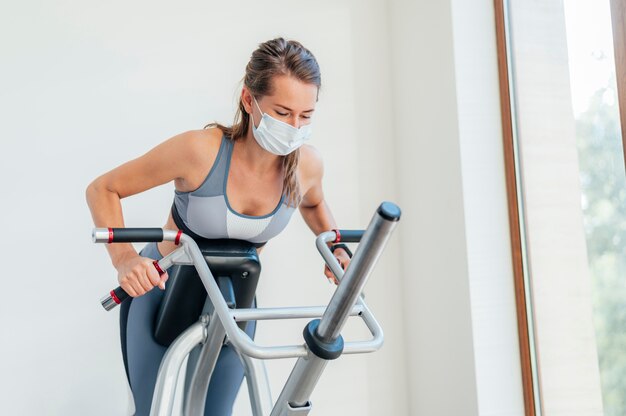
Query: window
x=567 y=193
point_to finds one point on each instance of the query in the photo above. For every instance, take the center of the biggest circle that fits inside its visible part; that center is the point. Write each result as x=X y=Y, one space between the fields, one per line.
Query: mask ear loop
x=252 y=112
x=257 y=105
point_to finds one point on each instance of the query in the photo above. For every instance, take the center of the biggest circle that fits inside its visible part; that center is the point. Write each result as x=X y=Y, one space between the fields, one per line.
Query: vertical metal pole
x=308 y=370
x=361 y=266
x=167 y=378
x=300 y=384
x=258 y=385
x=195 y=397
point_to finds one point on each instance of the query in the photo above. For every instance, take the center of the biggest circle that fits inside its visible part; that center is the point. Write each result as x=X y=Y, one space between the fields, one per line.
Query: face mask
x=279 y=137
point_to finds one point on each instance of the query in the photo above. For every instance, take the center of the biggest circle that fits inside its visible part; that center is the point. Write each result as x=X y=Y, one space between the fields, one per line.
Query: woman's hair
x=275 y=57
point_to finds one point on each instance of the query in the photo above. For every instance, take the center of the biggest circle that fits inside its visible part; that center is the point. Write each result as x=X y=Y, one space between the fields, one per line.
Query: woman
x=242 y=182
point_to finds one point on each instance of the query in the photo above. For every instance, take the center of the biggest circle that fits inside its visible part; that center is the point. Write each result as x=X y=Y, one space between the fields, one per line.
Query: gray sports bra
x=205 y=212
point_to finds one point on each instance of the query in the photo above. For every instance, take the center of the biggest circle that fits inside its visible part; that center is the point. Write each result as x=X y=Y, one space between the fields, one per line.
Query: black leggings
x=142 y=354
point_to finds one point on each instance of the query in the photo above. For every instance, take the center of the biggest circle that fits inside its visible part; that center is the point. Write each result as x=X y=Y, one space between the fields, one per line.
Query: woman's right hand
x=137 y=275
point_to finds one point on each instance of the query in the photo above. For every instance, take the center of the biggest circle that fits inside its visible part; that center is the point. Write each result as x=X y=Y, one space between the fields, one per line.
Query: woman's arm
x=313 y=207
x=174 y=159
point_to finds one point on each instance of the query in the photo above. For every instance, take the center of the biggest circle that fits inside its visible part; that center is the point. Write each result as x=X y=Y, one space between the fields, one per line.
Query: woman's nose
x=295 y=122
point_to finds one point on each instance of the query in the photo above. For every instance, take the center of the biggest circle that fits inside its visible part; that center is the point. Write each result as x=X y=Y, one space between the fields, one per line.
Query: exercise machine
x=215 y=280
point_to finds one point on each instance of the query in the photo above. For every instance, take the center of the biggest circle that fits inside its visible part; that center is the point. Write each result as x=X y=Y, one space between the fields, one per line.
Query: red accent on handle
x=115 y=298
x=177 y=240
x=159 y=269
x=337 y=236
x=110 y=235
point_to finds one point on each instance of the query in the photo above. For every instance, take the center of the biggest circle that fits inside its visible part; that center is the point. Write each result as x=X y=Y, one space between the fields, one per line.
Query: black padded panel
x=185 y=294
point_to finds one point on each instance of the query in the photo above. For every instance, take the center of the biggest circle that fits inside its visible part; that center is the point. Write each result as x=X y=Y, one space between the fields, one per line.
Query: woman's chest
x=254 y=195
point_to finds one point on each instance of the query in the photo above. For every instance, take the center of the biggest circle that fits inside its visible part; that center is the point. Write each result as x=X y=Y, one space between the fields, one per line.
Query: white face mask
x=279 y=137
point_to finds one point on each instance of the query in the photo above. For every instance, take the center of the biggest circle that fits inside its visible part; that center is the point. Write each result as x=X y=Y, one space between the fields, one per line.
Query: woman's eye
x=281 y=114
x=307 y=117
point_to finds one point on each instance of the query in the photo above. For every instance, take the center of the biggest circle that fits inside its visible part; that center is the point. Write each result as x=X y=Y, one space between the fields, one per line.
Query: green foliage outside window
x=603 y=184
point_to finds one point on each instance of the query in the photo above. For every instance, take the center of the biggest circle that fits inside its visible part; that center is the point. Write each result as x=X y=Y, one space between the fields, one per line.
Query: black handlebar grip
x=349 y=236
x=114 y=298
x=119 y=295
x=135 y=235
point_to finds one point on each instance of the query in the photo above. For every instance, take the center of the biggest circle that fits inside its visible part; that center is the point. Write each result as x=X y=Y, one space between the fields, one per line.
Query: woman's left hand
x=343 y=259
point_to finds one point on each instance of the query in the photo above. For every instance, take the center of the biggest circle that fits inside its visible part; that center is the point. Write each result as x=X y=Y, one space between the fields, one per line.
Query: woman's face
x=292 y=102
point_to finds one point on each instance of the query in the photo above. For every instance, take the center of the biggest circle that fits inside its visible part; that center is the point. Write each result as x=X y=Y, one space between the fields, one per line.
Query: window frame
x=618 y=21
x=523 y=309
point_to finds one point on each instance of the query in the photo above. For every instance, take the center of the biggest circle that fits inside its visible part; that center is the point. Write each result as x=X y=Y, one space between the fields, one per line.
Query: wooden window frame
x=618 y=21
x=514 y=213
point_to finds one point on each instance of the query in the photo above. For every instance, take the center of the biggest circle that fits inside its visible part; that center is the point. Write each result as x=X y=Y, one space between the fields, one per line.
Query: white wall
x=494 y=329
x=87 y=86
x=461 y=331
x=436 y=298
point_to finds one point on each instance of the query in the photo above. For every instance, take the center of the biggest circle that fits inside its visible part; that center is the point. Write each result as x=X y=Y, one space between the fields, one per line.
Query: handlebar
x=127 y=235
x=348 y=236
x=134 y=235
x=119 y=295
x=341 y=305
x=148 y=235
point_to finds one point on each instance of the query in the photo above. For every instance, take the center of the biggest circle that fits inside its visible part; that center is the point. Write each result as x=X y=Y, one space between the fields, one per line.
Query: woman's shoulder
x=203 y=138
x=310 y=166
x=198 y=150
x=310 y=159
x=198 y=145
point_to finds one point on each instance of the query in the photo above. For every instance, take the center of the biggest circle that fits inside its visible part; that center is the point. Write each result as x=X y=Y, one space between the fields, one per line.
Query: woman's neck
x=257 y=159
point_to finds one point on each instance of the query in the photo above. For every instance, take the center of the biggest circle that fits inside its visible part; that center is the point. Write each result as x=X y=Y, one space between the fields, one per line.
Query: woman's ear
x=246 y=99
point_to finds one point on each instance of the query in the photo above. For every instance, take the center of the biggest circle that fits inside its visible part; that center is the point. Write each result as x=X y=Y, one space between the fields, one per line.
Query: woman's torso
x=230 y=201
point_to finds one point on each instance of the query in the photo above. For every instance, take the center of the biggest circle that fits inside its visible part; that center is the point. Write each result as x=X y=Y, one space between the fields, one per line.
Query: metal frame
x=219 y=325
